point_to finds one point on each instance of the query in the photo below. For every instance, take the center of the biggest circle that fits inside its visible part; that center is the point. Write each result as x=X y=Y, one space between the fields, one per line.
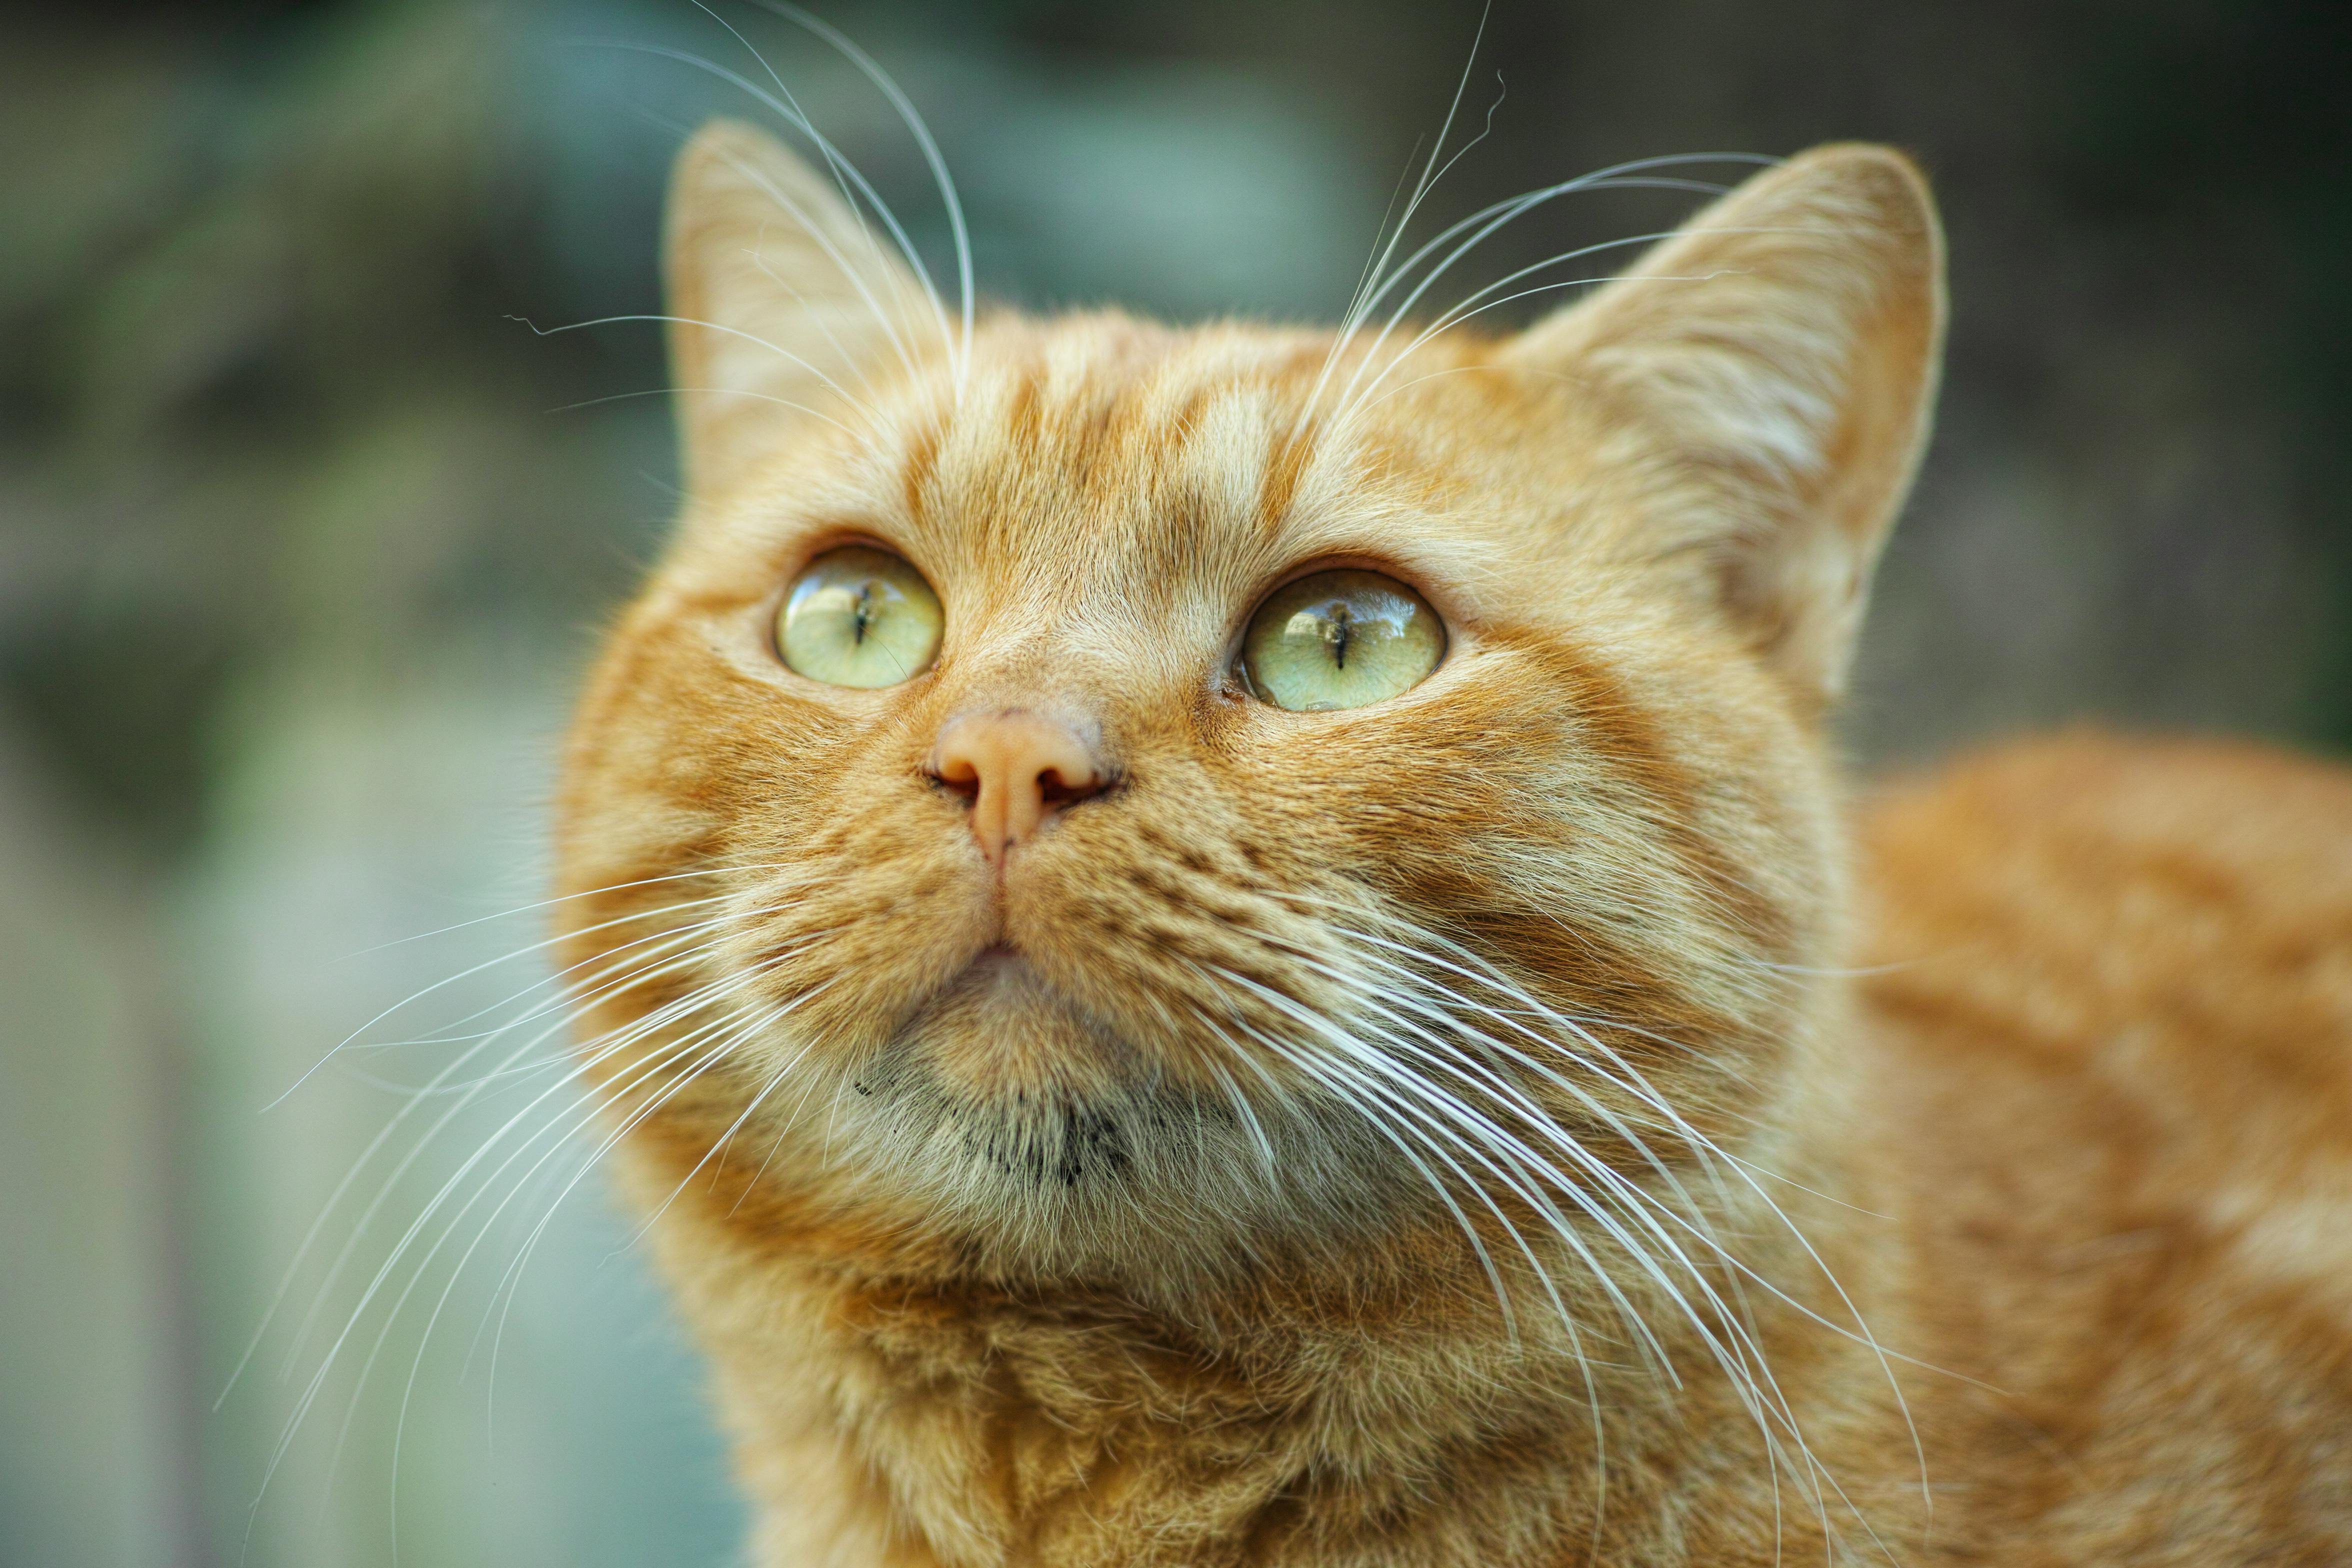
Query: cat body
x=2111 y=1045
x=1096 y=1114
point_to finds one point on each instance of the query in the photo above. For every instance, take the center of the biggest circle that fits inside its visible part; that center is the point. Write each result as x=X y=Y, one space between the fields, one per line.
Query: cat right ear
x=785 y=301
x=1784 y=345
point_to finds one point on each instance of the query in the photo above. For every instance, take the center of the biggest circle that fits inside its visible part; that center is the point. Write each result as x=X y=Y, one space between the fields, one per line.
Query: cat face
x=959 y=841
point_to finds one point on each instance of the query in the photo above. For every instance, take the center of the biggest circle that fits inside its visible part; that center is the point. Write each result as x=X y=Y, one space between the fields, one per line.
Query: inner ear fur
x=784 y=303
x=1784 y=344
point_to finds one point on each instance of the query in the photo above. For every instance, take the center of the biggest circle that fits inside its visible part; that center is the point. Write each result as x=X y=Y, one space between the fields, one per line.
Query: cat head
x=1077 y=791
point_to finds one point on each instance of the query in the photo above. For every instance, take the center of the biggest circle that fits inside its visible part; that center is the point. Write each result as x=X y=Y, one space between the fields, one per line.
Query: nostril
x=957 y=776
x=1055 y=789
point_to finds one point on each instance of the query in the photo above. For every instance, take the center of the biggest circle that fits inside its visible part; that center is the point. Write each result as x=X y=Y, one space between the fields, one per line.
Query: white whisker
x=890 y=321
x=916 y=127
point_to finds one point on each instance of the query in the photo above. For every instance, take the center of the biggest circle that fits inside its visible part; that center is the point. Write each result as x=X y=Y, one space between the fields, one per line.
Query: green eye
x=1340 y=639
x=859 y=617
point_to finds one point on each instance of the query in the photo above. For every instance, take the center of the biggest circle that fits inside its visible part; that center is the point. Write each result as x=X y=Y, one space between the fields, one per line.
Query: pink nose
x=1017 y=769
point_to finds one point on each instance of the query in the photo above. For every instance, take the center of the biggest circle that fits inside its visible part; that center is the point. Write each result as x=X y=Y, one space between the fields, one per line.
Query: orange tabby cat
x=1240 y=946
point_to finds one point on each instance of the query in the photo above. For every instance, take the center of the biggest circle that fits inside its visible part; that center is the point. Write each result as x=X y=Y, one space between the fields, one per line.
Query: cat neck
x=1434 y=1403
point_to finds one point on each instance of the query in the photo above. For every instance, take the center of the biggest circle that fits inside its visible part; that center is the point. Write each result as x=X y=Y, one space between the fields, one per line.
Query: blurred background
x=304 y=536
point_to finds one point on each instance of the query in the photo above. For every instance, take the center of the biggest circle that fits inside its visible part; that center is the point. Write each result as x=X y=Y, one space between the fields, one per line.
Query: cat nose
x=1017 y=768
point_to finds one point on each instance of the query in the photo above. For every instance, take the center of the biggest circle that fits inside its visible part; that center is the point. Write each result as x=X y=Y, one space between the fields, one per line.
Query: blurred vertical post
x=96 y=1419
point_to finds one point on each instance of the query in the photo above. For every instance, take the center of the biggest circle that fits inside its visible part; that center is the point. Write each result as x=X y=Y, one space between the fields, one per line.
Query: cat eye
x=1339 y=639
x=859 y=617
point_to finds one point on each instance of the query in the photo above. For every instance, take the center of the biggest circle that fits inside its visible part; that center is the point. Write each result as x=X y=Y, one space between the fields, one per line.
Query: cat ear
x=1785 y=344
x=784 y=301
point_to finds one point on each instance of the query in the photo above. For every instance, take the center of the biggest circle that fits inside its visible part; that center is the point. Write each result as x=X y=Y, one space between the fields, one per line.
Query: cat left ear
x=785 y=302
x=1784 y=344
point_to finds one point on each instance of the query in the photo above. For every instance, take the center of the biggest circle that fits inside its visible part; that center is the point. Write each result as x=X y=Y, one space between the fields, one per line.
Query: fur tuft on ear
x=784 y=301
x=1784 y=345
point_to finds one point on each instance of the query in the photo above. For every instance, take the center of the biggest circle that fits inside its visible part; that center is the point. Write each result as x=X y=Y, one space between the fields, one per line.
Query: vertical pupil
x=863 y=615
x=1337 y=631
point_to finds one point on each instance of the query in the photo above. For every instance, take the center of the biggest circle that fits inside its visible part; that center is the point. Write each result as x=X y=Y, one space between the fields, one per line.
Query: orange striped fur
x=1536 y=1119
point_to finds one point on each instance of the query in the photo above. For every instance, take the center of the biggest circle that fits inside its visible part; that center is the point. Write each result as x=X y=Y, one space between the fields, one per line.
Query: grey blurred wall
x=304 y=535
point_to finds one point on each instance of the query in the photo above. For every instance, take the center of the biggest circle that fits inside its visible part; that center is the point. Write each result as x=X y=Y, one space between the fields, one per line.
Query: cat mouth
x=1001 y=973
x=999 y=1026
x=998 y=959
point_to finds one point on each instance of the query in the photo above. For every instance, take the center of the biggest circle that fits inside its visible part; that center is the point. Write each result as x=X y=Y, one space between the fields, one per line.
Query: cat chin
x=1002 y=1115
x=1000 y=1034
x=1148 y=1186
